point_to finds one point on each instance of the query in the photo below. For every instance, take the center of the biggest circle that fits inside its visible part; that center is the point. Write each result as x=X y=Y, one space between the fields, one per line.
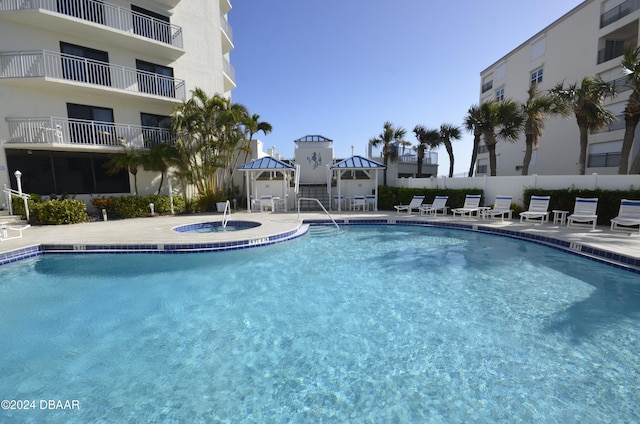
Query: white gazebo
x=254 y=169
x=357 y=163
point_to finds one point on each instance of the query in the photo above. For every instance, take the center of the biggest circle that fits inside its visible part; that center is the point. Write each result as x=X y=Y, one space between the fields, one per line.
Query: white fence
x=515 y=186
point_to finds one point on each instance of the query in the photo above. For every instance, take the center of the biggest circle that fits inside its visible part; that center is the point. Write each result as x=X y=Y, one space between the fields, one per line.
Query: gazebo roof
x=358 y=162
x=266 y=163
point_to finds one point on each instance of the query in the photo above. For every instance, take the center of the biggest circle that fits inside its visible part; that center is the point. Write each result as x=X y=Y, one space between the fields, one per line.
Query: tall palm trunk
x=630 y=124
x=474 y=154
x=420 y=160
x=449 y=147
x=528 y=152
x=584 y=141
x=490 y=141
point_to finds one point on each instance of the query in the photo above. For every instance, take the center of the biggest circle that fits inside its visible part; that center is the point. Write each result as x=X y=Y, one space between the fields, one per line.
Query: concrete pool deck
x=158 y=231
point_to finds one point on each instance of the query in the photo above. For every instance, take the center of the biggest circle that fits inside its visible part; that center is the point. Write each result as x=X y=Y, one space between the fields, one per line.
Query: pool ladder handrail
x=226 y=215
x=321 y=205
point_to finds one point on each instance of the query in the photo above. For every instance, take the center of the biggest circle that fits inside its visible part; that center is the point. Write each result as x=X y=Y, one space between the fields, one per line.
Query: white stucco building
x=587 y=41
x=82 y=78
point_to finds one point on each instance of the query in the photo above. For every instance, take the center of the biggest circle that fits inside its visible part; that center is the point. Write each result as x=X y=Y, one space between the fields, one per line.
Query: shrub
x=56 y=212
x=101 y=203
x=138 y=206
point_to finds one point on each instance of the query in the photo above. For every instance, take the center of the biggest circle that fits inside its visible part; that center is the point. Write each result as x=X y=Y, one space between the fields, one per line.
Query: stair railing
x=226 y=215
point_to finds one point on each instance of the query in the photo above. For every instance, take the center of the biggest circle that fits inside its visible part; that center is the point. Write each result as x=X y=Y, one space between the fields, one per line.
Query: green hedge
x=388 y=197
x=138 y=206
x=57 y=212
x=608 y=200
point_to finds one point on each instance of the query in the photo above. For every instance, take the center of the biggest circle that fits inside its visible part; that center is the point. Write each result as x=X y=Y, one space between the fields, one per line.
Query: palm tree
x=473 y=123
x=449 y=132
x=388 y=138
x=499 y=120
x=253 y=125
x=159 y=158
x=427 y=138
x=129 y=160
x=631 y=67
x=587 y=102
x=536 y=109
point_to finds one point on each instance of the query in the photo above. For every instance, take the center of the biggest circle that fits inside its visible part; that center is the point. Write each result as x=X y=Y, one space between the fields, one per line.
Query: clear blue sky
x=341 y=68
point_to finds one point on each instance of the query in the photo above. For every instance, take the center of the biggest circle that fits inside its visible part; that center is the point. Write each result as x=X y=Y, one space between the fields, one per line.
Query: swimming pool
x=375 y=324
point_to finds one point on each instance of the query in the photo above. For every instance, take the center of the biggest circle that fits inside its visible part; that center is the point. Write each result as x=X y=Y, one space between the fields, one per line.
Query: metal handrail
x=321 y=205
x=226 y=215
x=8 y=192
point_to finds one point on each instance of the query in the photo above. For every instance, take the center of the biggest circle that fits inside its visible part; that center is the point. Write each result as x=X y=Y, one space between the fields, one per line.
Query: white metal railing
x=54 y=130
x=226 y=28
x=321 y=205
x=106 y=14
x=50 y=64
x=9 y=193
x=226 y=215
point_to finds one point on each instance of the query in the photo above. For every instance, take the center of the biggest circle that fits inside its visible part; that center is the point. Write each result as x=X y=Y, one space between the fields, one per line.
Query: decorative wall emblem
x=315 y=160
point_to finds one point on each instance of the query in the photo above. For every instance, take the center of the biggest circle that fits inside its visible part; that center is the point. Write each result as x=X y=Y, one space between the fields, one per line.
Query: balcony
x=229 y=75
x=617 y=124
x=73 y=69
x=98 y=21
x=227 y=35
x=79 y=133
x=619 y=12
x=487 y=86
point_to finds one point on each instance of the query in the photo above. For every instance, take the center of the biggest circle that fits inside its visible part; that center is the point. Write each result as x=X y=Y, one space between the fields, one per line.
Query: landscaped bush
x=138 y=206
x=388 y=197
x=608 y=200
x=56 y=212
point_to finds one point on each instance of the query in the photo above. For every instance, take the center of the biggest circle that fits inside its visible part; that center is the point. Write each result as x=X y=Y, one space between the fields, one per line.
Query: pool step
x=323 y=230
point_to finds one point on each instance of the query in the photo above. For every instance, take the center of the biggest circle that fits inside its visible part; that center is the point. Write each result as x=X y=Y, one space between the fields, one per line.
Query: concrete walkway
x=158 y=230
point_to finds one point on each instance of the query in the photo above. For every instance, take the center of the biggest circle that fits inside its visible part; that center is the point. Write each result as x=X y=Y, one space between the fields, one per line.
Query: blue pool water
x=376 y=324
x=216 y=227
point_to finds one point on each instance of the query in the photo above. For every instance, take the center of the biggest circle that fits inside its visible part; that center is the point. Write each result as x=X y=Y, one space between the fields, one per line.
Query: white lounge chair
x=538 y=210
x=413 y=205
x=266 y=202
x=471 y=205
x=439 y=204
x=628 y=216
x=584 y=211
x=501 y=208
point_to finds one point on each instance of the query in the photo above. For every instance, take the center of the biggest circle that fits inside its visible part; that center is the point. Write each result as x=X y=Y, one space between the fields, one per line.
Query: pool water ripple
x=376 y=324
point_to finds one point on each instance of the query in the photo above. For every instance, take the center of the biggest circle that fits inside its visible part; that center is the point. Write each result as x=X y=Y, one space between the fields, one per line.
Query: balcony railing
x=616 y=49
x=74 y=68
x=619 y=12
x=430 y=158
x=617 y=124
x=80 y=132
x=105 y=14
x=487 y=86
x=226 y=28
x=228 y=69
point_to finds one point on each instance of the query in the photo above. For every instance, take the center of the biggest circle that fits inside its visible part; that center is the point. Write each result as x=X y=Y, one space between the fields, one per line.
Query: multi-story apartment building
x=587 y=41
x=82 y=79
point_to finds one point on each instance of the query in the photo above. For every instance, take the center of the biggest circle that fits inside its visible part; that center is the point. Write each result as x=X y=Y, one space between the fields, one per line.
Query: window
x=85 y=65
x=151 y=25
x=604 y=160
x=500 y=94
x=487 y=84
x=155 y=79
x=48 y=172
x=91 y=125
x=482 y=169
x=482 y=149
x=156 y=129
x=90 y=10
x=536 y=77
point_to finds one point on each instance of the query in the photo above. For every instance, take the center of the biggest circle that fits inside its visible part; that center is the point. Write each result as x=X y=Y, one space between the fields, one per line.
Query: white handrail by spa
x=226 y=215
x=321 y=205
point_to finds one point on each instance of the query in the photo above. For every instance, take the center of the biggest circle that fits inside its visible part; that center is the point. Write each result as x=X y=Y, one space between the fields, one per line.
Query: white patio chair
x=413 y=205
x=584 y=211
x=501 y=208
x=266 y=202
x=628 y=216
x=538 y=210
x=471 y=205
x=439 y=204
x=359 y=202
x=370 y=202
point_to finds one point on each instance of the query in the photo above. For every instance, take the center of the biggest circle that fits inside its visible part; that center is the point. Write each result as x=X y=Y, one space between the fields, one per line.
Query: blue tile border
x=603 y=256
